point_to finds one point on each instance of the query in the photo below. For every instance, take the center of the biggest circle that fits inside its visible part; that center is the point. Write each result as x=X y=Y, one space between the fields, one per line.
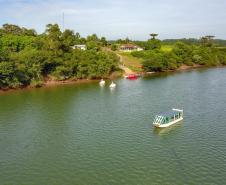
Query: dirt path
x=123 y=67
x=127 y=70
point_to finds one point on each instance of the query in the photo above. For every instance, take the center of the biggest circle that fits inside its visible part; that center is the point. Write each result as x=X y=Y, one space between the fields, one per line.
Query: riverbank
x=132 y=65
x=185 y=68
x=115 y=75
x=51 y=82
x=180 y=69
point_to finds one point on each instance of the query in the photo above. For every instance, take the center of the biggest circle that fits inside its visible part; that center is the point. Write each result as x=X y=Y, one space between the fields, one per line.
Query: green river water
x=82 y=134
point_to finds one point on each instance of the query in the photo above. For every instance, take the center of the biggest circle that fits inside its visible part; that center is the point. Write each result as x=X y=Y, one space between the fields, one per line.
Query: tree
x=12 y=29
x=53 y=39
x=152 y=44
x=113 y=47
x=103 y=41
x=7 y=75
x=78 y=39
x=153 y=35
x=123 y=41
x=156 y=62
x=16 y=30
x=210 y=37
x=93 y=38
x=127 y=40
x=183 y=52
x=207 y=41
x=68 y=40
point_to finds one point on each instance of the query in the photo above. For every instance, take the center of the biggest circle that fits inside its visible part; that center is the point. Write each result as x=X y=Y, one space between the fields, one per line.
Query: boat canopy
x=167 y=117
x=168 y=114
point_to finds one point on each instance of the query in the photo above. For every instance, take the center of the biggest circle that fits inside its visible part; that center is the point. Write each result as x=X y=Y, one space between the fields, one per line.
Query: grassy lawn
x=131 y=62
x=134 y=63
x=166 y=48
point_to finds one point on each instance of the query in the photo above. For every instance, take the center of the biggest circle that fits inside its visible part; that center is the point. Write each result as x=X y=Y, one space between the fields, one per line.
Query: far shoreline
x=55 y=83
x=48 y=84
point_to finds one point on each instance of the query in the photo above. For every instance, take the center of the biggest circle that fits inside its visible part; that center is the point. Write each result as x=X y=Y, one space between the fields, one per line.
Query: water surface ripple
x=87 y=135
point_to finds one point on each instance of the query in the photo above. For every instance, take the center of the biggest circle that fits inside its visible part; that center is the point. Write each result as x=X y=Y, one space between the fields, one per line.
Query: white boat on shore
x=168 y=118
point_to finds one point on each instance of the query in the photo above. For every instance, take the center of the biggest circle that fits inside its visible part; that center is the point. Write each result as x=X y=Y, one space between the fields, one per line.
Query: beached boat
x=132 y=76
x=168 y=118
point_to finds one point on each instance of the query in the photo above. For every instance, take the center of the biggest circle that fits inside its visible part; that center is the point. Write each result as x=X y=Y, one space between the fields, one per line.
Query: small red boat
x=132 y=76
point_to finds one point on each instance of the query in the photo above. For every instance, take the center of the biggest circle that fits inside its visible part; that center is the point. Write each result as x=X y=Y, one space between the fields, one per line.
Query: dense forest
x=28 y=58
x=161 y=56
x=31 y=59
x=218 y=42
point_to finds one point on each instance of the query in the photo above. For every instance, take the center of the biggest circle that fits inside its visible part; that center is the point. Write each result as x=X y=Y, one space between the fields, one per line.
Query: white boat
x=102 y=83
x=169 y=118
x=113 y=85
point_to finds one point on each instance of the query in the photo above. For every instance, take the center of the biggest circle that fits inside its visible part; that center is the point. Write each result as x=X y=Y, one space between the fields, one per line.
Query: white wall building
x=79 y=46
x=130 y=48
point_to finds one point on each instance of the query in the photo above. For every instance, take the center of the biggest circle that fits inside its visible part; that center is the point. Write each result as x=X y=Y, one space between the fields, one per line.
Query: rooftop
x=128 y=46
x=168 y=114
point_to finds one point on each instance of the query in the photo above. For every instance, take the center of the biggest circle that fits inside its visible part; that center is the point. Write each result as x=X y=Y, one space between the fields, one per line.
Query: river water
x=87 y=135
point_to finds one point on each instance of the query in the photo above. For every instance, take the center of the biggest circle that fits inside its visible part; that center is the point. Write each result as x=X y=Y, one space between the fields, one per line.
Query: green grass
x=135 y=63
x=166 y=48
x=131 y=62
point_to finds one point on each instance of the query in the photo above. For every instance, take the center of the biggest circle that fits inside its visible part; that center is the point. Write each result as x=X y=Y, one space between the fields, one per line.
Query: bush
x=156 y=62
x=138 y=54
x=114 y=47
x=36 y=83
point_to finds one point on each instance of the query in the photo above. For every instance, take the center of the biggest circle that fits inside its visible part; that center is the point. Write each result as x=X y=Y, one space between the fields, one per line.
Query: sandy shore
x=185 y=67
x=55 y=83
x=50 y=83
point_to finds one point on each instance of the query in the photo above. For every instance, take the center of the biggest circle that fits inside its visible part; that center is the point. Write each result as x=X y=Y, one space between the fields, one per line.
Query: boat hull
x=168 y=124
x=132 y=77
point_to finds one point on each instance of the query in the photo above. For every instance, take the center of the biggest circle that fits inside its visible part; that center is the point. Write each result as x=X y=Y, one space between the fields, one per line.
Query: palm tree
x=207 y=40
x=209 y=37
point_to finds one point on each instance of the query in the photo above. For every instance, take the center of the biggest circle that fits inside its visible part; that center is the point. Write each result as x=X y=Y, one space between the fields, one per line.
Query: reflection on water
x=86 y=134
x=172 y=73
x=168 y=130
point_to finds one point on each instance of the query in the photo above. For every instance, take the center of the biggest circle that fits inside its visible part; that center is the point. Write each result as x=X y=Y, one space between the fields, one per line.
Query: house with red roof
x=130 y=48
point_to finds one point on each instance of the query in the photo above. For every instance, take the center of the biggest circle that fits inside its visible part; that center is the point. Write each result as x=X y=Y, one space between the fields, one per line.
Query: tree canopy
x=205 y=52
x=28 y=58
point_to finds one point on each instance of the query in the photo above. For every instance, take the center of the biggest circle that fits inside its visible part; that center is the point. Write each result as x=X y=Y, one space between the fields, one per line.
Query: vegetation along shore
x=28 y=59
